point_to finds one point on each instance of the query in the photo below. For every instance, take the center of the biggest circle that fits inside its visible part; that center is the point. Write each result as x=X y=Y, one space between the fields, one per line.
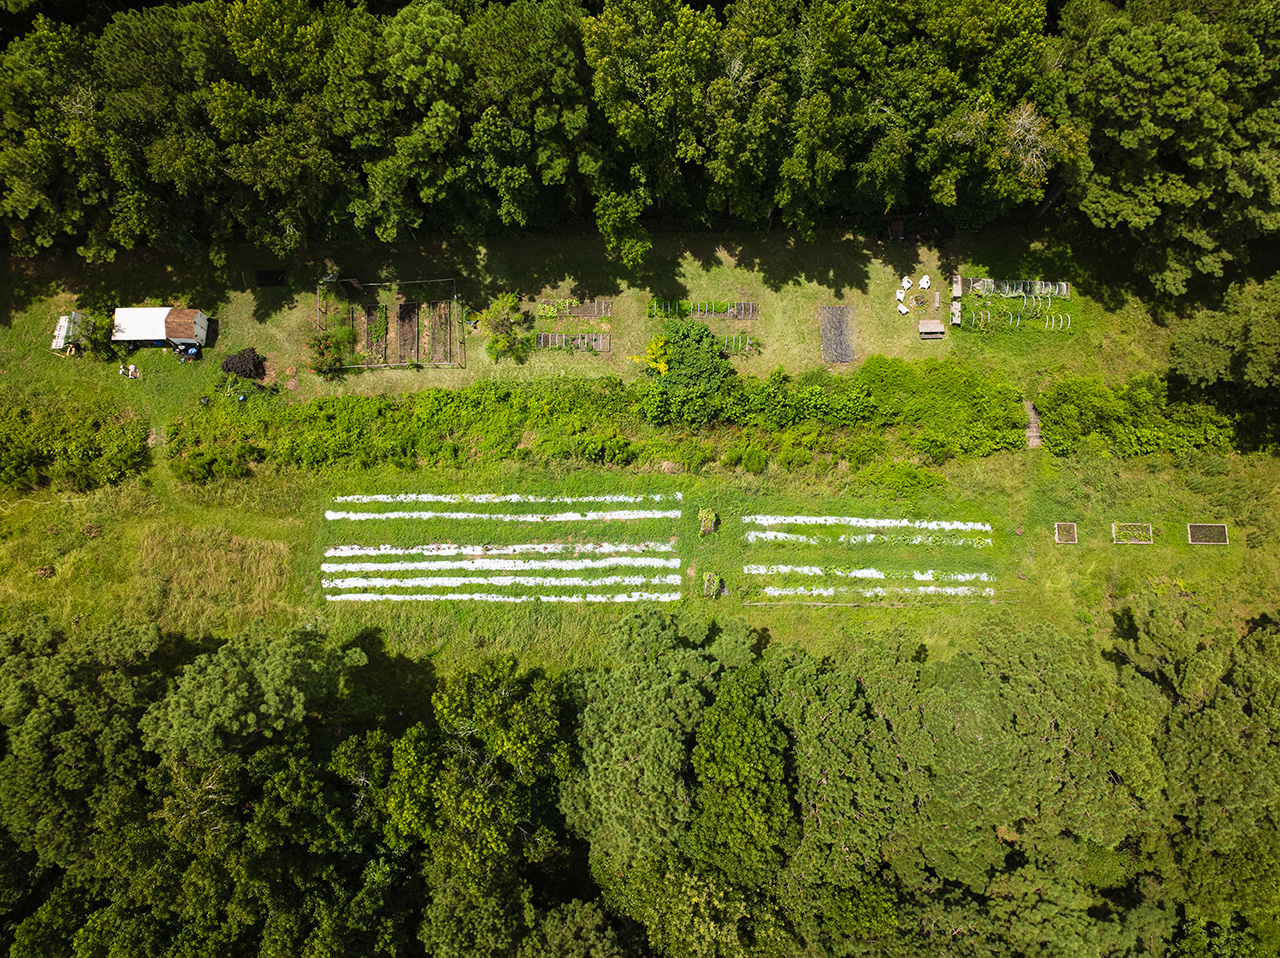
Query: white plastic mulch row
x=927 y=575
x=932 y=524
x=484 y=497
x=544 y=548
x=827 y=592
x=454 y=581
x=768 y=535
x=491 y=597
x=619 y=515
x=507 y=565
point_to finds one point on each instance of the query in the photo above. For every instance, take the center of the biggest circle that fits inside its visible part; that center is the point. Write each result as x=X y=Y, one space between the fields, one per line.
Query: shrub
x=792 y=458
x=67 y=442
x=246 y=364
x=900 y=479
x=328 y=349
x=507 y=326
x=206 y=464
x=1130 y=420
x=754 y=460
x=96 y=330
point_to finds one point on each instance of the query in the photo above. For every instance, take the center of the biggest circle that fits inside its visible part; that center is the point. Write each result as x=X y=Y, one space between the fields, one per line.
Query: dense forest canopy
x=705 y=791
x=283 y=122
x=275 y=794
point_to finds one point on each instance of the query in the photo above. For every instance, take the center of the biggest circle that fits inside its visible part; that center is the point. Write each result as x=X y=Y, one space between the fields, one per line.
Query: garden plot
x=814 y=558
x=407 y=332
x=482 y=548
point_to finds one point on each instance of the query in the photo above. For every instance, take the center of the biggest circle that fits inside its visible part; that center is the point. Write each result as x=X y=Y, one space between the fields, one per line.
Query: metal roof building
x=160 y=324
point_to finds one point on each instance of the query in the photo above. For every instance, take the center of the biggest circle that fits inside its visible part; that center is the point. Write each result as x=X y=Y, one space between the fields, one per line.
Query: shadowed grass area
x=1112 y=333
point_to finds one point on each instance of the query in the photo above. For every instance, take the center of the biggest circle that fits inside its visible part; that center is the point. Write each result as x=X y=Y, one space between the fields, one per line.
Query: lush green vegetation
x=283 y=792
x=190 y=126
x=64 y=441
x=202 y=755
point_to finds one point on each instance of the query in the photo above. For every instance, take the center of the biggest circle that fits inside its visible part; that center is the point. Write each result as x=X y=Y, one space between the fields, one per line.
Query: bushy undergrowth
x=934 y=411
x=65 y=442
x=1134 y=419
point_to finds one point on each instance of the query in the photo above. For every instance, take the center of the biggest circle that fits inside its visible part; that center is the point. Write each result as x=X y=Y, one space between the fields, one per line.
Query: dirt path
x=1033 y=426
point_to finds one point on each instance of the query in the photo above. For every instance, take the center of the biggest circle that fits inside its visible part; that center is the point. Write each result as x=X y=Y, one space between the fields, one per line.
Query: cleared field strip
x=870 y=538
x=635 y=561
x=931 y=524
x=801 y=557
x=493 y=597
x=505 y=565
x=542 y=548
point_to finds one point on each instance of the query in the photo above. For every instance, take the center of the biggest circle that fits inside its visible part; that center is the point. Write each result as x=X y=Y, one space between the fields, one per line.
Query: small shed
x=160 y=325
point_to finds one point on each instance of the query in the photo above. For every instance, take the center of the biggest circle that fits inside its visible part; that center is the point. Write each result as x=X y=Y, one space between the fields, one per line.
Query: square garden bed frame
x=1131 y=533
x=1207 y=533
x=1064 y=533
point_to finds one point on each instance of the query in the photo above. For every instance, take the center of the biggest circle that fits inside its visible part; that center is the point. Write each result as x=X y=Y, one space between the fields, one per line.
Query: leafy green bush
x=507 y=326
x=754 y=460
x=329 y=350
x=792 y=458
x=695 y=371
x=206 y=464
x=1130 y=420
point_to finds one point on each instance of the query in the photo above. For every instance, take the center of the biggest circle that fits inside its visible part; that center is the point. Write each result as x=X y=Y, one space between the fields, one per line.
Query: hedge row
x=938 y=410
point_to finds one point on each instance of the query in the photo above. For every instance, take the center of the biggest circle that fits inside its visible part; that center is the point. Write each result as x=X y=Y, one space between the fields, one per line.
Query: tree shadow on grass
x=23 y=282
x=392 y=692
x=833 y=259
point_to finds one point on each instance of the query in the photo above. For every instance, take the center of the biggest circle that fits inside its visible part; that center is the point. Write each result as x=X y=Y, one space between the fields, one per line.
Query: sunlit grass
x=216 y=559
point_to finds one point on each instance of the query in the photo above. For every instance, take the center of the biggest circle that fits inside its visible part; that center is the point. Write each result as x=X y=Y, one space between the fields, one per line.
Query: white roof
x=141 y=322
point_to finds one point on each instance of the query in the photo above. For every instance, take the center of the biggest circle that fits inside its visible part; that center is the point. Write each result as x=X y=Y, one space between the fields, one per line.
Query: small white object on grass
x=906 y=282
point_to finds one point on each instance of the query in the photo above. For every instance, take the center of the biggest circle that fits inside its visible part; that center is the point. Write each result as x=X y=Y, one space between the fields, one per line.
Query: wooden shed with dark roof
x=172 y=325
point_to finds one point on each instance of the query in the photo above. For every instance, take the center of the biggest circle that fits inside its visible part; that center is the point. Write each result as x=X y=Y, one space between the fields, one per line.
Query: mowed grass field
x=208 y=560
x=211 y=560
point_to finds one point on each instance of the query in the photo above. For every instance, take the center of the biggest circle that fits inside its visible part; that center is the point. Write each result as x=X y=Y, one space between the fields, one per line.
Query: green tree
x=253 y=687
x=744 y=824
x=49 y=162
x=480 y=791
x=576 y=929
x=696 y=371
x=749 y=104
x=1181 y=117
x=1237 y=345
x=631 y=798
x=532 y=150
x=651 y=63
x=71 y=732
x=508 y=328
x=414 y=113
